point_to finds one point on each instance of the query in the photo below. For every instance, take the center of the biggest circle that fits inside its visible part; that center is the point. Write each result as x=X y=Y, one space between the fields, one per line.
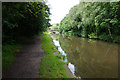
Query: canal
x=88 y=58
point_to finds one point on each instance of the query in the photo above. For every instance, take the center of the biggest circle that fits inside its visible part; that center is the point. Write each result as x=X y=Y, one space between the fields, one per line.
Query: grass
x=8 y=52
x=51 y=66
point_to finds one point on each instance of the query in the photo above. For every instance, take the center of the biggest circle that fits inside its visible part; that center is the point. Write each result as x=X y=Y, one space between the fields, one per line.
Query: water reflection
x=71 y=67
x=91 y=58
x=56 y=43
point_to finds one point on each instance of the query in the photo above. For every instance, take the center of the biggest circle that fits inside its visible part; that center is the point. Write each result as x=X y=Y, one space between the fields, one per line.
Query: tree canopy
x=99 y=20
x=23 y=19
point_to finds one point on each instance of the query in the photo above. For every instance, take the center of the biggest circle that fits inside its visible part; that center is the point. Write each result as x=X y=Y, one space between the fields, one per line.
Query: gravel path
x=27 y=61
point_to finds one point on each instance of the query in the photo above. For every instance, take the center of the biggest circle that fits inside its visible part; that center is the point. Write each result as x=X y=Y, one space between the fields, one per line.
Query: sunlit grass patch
x=47 y=45
x=51 y=66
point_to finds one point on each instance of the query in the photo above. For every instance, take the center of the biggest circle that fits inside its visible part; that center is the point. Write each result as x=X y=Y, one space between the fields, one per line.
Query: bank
x=51 y=64
x=8 y=54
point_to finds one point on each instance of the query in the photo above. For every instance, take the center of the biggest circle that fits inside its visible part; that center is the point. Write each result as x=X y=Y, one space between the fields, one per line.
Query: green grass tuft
x=8 y=52
x=47 y=45
x=51 y=66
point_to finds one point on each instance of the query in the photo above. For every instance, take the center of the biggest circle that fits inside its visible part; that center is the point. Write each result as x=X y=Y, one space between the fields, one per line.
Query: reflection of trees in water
x=88 y=57
x=54 y=36
x=73 y=48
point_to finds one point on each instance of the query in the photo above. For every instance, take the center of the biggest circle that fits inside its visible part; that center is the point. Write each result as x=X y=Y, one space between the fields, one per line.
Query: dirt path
x=27 y=61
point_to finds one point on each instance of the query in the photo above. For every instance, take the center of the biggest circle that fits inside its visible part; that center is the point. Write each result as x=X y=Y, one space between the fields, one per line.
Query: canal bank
x=51 y=64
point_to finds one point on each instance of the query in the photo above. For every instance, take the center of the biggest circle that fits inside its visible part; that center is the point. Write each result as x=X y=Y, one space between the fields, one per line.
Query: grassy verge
x=51 y=66
x=8 y=52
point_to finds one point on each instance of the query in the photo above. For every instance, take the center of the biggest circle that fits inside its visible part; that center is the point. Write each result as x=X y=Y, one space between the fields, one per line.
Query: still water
x=89 y=58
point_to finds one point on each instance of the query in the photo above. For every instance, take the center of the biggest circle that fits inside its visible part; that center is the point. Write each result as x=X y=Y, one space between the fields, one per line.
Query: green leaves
x=114 y=21
x=93 y=18
x=10 y=25
x=24 y=19
x=104 y=25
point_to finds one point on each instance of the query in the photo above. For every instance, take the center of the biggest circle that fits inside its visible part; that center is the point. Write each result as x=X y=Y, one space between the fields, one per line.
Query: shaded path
x=27 y=61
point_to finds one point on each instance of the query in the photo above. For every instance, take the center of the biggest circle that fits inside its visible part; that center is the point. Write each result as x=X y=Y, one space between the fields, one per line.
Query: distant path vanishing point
x=27 y=61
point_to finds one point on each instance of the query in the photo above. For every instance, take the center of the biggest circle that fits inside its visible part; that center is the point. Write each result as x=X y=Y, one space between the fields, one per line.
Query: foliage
x=50 y=66
x=54 y=27
x=93 y=20
x=8 y=52
x=23 y=19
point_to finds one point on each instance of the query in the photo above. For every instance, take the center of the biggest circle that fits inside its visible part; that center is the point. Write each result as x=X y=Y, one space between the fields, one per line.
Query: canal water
x=88 y=58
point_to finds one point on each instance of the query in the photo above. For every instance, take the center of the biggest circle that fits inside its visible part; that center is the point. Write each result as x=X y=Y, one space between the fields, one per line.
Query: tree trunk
x=110 y=33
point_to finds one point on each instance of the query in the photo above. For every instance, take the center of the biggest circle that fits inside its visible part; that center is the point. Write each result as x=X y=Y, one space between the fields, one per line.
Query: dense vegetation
x=99 y=20
x=21 y=21
x=54 y=27
x=8 y=52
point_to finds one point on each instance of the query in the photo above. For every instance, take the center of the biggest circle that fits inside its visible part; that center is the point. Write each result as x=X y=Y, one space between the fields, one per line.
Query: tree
x=25 y=19
x=93 y=20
